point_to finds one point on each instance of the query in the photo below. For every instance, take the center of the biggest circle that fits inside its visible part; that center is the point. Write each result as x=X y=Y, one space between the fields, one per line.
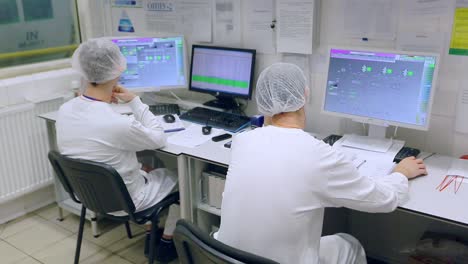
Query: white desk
x=424 y=199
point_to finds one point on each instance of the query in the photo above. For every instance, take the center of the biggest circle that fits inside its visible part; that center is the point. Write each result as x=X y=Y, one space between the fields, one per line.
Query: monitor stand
x=228 y=103
x=375 y=141
x=376 y=131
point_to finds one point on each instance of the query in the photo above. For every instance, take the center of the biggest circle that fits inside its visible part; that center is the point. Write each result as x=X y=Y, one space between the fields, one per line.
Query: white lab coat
x=91 y=130
x=279 y=182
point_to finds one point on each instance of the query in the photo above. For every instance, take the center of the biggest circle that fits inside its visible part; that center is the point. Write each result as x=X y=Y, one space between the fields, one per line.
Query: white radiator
x=24 y=166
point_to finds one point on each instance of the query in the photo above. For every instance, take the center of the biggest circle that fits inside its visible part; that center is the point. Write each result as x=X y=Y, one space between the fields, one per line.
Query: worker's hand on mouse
x=123 y=94
x=411 y=167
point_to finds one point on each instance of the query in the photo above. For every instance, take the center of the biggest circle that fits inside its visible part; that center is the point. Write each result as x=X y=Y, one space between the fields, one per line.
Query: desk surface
x=424 y=198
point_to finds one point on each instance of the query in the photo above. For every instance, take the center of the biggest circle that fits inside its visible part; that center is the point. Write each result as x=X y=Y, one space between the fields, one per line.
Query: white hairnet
x=99 y=60
x=281 y=88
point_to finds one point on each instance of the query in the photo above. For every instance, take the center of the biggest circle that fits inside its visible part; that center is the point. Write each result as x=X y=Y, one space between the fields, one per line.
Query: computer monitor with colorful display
x=153 y=64
x=381 y=88
x=226 y=73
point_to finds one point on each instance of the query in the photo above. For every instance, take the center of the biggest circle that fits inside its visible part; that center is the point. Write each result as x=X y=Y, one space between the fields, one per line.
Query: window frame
x=46 y=65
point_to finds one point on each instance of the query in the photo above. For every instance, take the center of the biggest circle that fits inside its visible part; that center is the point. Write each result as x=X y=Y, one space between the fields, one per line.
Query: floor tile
x=28 y=260
x=97 y=257
x=64 y=251
x=105 y=257
x=40 y=236
x=134 y=253
x=125 y=243
x=2 y=227
x=109 y=235
x=20 y=224
x=9 y=254
x=70 y=222
x=50 y=212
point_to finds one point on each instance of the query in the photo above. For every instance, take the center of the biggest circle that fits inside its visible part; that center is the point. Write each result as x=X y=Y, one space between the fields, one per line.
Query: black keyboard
x=331 y=139
x=223 y=120
x=164 y=109
x=406 y=152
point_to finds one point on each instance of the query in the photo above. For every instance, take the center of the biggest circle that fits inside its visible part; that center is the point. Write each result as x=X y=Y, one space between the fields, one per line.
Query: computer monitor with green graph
x=226 y=73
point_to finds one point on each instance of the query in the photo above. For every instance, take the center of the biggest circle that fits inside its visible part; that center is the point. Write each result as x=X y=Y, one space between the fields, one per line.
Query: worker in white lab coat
x=280 y=179
x=87 y=128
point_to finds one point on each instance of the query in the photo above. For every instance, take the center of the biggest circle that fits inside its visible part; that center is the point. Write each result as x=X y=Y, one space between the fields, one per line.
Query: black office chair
x=197 y=247
x=100 y=188
x=67 y=187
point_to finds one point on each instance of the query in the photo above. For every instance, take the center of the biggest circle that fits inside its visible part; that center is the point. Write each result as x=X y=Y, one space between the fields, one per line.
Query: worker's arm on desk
x=140 y=131
x=346 y=187
x=140 y=110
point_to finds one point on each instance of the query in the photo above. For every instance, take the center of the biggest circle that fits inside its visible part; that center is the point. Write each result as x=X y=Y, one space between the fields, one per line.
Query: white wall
x=390 y=233
x=440 y=138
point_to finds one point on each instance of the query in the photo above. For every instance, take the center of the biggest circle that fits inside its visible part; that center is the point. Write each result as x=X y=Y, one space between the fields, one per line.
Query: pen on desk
x=361 y=164
x=428 y=156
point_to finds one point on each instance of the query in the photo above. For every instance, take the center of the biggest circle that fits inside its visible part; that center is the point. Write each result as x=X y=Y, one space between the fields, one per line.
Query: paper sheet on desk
x=192 y=136
x=377 y=164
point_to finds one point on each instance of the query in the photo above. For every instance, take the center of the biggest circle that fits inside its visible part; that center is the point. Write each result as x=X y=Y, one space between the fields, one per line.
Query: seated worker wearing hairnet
x=280 y=179
x=87 y=128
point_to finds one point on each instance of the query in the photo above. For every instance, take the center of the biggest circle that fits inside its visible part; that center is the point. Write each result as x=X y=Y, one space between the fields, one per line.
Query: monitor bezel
x=377 y=121
x=226 y=94
x=165 y=87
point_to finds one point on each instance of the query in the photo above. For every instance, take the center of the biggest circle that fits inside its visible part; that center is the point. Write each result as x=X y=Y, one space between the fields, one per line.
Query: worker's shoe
x=166 y=251
x=159 y=234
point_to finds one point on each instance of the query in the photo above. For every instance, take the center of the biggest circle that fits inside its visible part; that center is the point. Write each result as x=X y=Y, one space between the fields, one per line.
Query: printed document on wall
x=462 y=3
x=370 y=19
x=189 y=17
x=161 y=16
x=127 y=3
x=257 y=33
x=227 y=22
x=459 y=41
x=461 y=124
x=195 y=19
x=421 y=42
x=424 y=15
x=295 y=26
x=300 y=60
x=426 y=7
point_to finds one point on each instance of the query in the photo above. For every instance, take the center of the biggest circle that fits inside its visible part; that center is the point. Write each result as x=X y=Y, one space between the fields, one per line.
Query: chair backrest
x=195 y=246
x=53 y=158
x=98 y=186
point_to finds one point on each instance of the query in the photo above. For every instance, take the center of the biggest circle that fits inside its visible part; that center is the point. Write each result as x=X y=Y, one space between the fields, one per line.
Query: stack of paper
x=370 y=163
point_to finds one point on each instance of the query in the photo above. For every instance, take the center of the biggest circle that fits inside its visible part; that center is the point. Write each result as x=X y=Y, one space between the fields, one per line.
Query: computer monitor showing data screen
x=383 y=88
x=153 y=64
x=222 y=71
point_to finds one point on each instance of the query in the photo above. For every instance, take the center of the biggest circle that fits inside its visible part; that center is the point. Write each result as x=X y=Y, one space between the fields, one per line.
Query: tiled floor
x=39 y=238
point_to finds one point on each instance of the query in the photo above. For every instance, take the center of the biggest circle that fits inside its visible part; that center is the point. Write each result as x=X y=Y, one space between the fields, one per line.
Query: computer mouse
x=206 y=130
x=169 y=118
